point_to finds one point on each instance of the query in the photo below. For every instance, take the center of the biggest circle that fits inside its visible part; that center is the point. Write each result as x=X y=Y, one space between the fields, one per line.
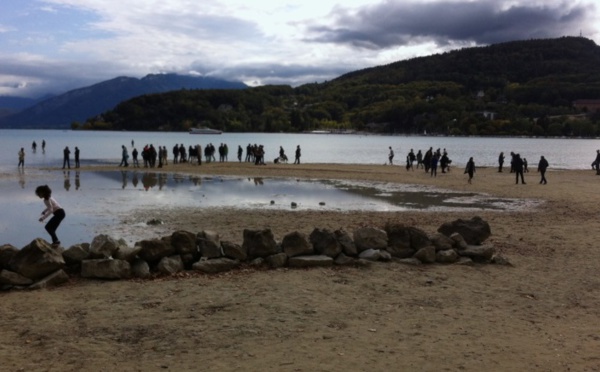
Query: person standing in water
x=52 y=208
x=21 y=158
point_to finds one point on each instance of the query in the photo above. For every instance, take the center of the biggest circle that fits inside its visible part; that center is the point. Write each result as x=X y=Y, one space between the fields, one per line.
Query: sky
x=52 y=46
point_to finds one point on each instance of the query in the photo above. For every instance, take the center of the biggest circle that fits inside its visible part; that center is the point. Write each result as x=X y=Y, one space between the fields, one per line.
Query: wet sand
x=539 y=315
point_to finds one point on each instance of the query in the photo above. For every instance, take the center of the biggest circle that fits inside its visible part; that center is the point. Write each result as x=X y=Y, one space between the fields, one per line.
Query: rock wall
x=38 y=265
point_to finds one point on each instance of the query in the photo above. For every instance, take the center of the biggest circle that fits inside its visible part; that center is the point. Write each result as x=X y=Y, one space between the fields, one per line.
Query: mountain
x=80 y=104
x=519 y=88
x=11 y=105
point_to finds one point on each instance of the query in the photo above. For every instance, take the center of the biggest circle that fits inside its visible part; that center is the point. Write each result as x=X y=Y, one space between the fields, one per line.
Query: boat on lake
x=204 y=130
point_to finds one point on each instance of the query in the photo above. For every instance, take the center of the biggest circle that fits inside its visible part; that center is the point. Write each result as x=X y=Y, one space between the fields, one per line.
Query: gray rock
x=401 y=252
x=475 y=231
x=259 y=243
x=343 y=260
x=459 y=241
x=441 y=242
x=418 y=238
x=370 y=238
x=370 y=255
x=348 y=247
x=277 y=260
x=170 y=265
x=127 y=253
x=325 y=242
x=479 y=253
x=310 y=261
x=409 y=261
x=257 y=262
x=7 y=251
x=216 y=265
x=385 y=256
x=501 y=260
x=103 y=246
x=37 y=260
x=184 y=242
x=464 y=261
x=140 y=269
x=398 y=237
x=56 y=278
x=76 y=253
x=105 y=269
x=12 y=278
x=155 y=249
x=209 y=244
x=296 y=244
x=234 y=251
x=426 y=254
x=447 y=256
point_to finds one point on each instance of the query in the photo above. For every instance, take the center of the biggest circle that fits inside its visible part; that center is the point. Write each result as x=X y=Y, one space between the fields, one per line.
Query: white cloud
x=268 y=41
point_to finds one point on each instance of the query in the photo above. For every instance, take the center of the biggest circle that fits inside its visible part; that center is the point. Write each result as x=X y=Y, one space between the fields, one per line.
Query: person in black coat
x=470 y=169
x=542 y=166
x=518 y=168
x=500 y=162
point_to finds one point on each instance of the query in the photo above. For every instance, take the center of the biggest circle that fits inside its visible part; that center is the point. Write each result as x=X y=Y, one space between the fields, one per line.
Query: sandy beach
x=541 y=314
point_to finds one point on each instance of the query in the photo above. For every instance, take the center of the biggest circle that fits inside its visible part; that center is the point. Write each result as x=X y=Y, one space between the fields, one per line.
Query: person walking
x=542 y=166
x=76 y=157
x=298 y=154
x=66 y=155
x=391 y=156
x=124 y=157
x=52 y=208
x=21 y=158
x=470 y=169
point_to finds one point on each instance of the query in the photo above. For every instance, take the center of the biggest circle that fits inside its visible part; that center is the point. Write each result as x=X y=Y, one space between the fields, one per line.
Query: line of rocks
x=39 y=265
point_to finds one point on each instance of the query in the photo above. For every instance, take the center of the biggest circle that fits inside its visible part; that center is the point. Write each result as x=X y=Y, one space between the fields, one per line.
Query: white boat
x=204 y=130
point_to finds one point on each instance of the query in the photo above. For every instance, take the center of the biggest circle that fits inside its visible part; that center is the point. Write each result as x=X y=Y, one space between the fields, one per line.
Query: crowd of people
x=432 y=160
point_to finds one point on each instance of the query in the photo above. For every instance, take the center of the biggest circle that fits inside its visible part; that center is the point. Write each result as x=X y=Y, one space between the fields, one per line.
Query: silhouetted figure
x=500 y=162
x=518 y=168
x=76 y=157
x=66 y=160
x=298 y=155
x=542 y=166
x=470 y=169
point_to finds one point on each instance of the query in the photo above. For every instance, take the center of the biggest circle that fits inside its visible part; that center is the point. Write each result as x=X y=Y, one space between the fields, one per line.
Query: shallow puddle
x=94 y=200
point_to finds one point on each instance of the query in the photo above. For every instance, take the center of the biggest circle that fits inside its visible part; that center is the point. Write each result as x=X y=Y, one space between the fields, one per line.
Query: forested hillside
x=516 y=88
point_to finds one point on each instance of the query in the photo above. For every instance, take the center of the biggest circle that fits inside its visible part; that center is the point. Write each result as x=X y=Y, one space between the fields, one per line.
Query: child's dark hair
x=43 y=191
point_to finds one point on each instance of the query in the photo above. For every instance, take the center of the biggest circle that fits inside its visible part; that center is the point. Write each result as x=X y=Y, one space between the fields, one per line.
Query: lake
x=95 y=200
x=102 y=147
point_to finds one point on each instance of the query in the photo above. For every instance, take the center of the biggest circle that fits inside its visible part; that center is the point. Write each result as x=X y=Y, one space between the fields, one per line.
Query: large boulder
x=170 y=265
x=184 y=242
x=52 y=280
x=105 y=269
x=154 y=249
x=475 y=231
x=7 y=251
x=234 y=251
x=370 y=238
x=14 y=279
x=76 y=253
x=103 y=246
x=325 y=242
x=426 y=254
x=398 y=237
x=277 y=260
x=259 y=243
x=37 y=260
x=209 y=244
x=418 y=238
x=345 y=239
x=127 y=253
x=296 y=244
x=441 y=242
x=140 y=268
x=478 y=253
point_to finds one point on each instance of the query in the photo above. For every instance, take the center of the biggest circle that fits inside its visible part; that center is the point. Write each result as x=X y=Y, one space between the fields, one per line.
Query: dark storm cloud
x=398 y=23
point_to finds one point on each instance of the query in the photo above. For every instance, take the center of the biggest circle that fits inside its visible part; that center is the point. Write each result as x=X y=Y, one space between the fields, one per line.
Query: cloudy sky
x=51 y=46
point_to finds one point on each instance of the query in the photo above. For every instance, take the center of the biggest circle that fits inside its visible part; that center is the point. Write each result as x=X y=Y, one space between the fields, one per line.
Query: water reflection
x=108 y=196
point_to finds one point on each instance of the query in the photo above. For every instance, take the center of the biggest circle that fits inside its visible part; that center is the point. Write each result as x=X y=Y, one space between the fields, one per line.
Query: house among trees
x=589 y=105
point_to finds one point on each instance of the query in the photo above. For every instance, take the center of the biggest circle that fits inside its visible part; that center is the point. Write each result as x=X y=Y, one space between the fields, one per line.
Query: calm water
x=316 y=148
x=97 y=202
